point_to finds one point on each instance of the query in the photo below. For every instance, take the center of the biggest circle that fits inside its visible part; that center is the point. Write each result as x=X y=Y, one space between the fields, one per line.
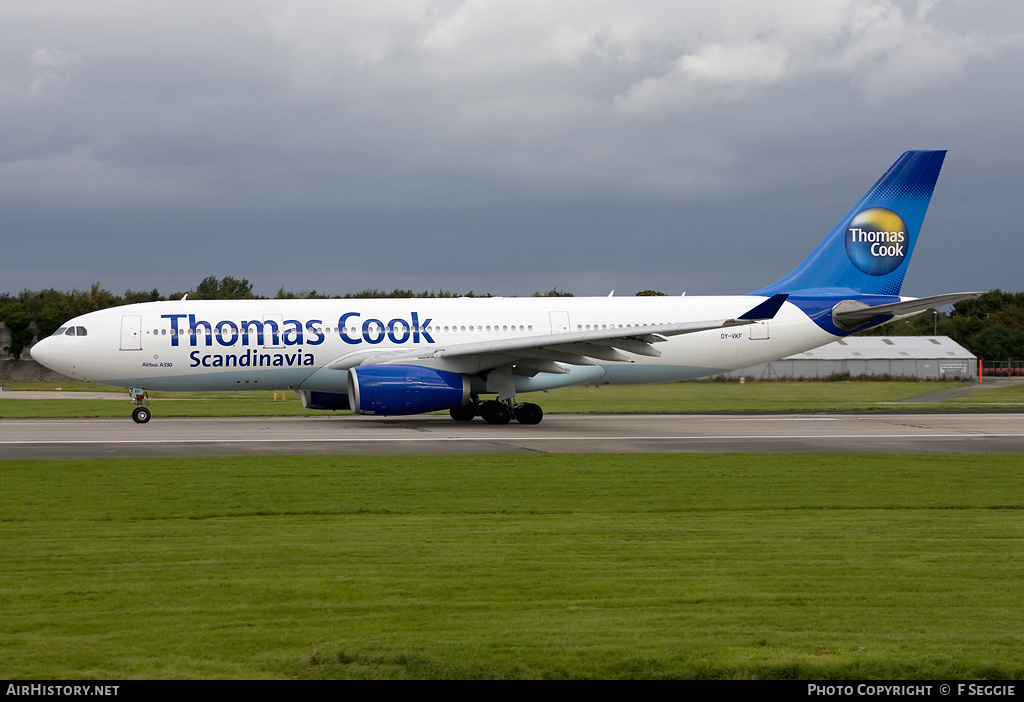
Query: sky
x=493 y=146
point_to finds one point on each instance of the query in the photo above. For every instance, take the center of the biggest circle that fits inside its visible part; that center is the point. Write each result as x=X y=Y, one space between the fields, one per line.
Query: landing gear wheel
x=529 y=413
x=141 y=415
x=495 y=412
x=466 y=413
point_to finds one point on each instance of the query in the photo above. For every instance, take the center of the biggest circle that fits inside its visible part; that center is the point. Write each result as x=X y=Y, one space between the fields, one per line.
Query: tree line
x=991 y=326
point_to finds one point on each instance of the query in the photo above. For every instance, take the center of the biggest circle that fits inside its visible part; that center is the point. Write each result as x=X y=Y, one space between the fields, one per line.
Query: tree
x=133 y=296
x=998 y=343
x=370 y=293
x=304 y=295
x=227 y=288
x=17 y=319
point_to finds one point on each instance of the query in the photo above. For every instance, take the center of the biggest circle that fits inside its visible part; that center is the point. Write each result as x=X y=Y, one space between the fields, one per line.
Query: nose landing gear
x=141 y=413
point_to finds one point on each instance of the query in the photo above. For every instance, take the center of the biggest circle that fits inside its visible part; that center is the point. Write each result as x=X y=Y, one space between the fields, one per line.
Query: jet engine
x=393 y=390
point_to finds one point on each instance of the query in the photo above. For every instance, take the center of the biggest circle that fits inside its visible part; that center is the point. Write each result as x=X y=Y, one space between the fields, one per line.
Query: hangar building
x=924 y=357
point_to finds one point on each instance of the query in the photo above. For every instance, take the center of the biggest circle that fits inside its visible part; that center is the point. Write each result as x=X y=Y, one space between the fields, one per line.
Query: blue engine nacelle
x=397 y=389
x=311 y=399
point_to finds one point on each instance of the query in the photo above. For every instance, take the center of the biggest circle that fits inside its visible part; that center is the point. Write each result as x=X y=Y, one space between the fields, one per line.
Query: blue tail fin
x=869 y=250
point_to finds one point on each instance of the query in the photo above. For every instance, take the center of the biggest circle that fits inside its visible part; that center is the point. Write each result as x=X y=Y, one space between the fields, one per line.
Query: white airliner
x=408 y=356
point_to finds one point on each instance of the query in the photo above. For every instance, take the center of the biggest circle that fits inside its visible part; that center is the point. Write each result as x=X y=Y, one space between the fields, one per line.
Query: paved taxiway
x=348 y=434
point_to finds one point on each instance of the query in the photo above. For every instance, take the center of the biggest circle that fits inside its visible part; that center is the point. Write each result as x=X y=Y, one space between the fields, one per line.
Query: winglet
x=766 y=310
x=850 y=314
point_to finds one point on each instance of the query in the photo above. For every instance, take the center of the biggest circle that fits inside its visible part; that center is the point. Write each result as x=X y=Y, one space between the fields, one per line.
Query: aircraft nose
x=45 y=352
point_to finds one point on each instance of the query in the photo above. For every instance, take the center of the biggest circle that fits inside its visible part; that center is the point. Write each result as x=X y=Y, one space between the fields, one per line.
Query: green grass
x=72 y=386
x=167 y=407
x=676 y=397
x=662 y=565
x=1007 y=396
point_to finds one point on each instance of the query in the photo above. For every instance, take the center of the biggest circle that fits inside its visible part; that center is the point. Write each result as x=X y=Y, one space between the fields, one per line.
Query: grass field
x=675 y=397
x=1008 y=396
x=695 y=566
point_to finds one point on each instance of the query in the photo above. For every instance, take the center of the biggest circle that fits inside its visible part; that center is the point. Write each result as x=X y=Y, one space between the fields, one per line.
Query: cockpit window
x=70 y=331
x=81 y=331
x=59 y=331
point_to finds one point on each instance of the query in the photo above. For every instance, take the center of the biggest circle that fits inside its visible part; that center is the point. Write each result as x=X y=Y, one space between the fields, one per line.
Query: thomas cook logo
x=876 y=241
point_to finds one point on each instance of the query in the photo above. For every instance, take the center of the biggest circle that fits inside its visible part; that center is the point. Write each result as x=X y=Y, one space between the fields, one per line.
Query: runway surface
x=349 y=435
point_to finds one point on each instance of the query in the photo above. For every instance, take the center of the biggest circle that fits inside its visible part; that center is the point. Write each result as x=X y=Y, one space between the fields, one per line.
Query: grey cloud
x=503 y=147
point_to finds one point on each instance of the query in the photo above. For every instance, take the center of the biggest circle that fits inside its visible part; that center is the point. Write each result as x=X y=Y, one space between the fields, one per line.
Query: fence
x=1002 y=369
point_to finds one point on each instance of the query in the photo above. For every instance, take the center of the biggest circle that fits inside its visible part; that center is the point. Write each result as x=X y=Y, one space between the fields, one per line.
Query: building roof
x=891 y=347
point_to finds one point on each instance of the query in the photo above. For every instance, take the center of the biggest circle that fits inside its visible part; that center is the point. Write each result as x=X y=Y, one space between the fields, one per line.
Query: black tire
x=141 y=415
x=495 y=412
x=529 y=413
x=466 y=413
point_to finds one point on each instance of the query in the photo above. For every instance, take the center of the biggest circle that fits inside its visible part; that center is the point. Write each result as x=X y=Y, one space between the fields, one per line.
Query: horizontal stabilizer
x=850 y=314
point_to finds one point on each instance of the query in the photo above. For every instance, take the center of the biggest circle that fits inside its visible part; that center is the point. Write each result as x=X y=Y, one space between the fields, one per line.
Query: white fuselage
x=310 y=344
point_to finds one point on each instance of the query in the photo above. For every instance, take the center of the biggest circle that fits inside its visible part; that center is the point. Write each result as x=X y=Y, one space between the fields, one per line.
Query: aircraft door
x=559 y=322
x=759 y=330
x=131 y=332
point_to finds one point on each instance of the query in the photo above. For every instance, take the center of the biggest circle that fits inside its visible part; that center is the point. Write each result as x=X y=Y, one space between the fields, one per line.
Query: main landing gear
x=498 y=412
x=141 y=413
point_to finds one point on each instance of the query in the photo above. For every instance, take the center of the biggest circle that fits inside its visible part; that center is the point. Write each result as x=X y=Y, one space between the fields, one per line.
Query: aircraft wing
x=851 y=313
x=547 y=352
